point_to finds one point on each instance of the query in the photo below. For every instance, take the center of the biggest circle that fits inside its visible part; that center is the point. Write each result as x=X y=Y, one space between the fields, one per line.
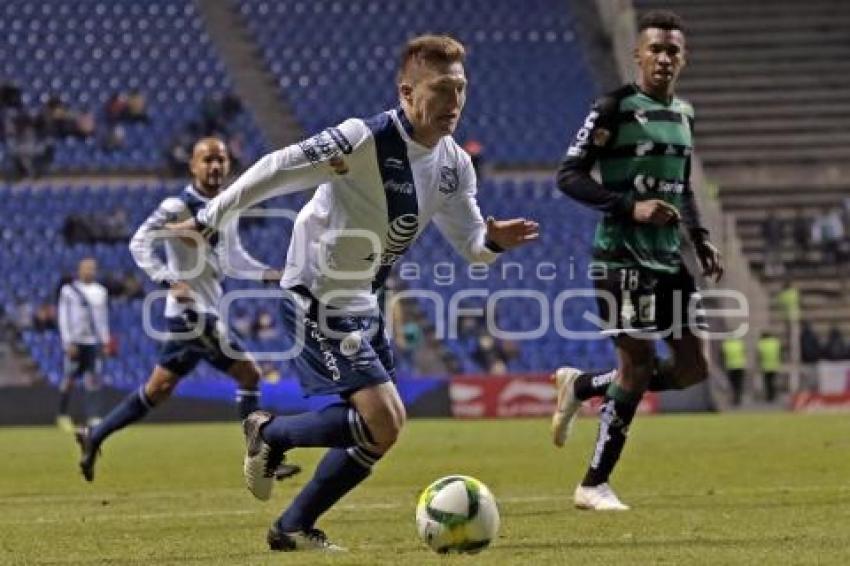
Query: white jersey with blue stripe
x=377 y=191
x=202 y=267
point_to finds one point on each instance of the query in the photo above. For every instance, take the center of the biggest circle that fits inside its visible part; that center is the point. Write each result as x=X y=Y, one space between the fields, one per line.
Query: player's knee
x=385 y=427
x=159 y=390
x=248 y=376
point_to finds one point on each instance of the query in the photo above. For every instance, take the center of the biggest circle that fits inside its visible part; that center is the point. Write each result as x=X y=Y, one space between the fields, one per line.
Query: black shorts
x=89 y=360
x=637 y=301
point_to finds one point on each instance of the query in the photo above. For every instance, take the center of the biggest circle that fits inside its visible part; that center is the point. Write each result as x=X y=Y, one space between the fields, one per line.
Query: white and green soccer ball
x=457 y=514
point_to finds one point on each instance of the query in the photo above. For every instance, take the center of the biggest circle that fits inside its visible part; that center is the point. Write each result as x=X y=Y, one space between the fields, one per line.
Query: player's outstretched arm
x=295 y=168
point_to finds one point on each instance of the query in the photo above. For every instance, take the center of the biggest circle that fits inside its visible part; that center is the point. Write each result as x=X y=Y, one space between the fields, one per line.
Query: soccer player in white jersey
x=381 y=180
x=84 y=330
x=196 y=329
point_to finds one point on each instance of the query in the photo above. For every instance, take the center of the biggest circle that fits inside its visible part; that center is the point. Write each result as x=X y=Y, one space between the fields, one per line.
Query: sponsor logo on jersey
x=400 y=234
x=327 y=352
x=400 y=187
x=583 y=135
x=394 y=163
x=644 y=148
x=449 y=182
x=646 y=184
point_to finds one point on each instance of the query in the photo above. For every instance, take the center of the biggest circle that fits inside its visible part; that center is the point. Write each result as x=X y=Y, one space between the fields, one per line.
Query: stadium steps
x=254 y=85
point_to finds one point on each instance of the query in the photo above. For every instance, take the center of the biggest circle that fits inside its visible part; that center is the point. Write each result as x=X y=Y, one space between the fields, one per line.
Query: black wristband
x=493 y=246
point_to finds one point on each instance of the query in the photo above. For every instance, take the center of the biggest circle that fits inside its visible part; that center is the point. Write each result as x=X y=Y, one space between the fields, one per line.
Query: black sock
x=615 y=416
x=247 y=401
x=133 y=408
x=663 y=378
x=593 y=383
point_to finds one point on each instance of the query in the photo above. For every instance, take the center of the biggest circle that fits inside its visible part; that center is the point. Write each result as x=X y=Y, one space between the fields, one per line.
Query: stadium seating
x=529 y=84
x=36 y=257
x=86 y=51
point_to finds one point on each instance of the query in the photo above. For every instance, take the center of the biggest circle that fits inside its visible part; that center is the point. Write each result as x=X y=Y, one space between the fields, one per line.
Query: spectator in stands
x=236 y=148
x=180 y=150
x=10 y=96
x=115 y=108
x=24 y=313
x=264 y=327
x=429 y=359
x=801 y=232
x=828 y=233
x=90 y=228
x=770 y=362
x=115 y=226
x=836 y=347
x=62 y=121
x=735 y=363
x=242 y=322
x=133 y=288
x=810 y=349
x=137 y=107
x=30 y=151
x=488 y=356
x=45 y=318
x=773 y=234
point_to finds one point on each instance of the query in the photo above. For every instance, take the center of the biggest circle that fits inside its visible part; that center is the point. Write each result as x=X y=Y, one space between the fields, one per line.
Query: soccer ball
x=457 y=514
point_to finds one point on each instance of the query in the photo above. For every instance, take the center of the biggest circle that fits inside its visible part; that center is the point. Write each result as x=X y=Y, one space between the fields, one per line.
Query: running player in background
x=84 y=330
x=381 y=181
x=640 y=136
x=196 y=329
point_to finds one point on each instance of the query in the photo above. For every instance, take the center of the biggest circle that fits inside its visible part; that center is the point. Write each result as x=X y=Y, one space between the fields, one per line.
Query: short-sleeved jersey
x=643 y=149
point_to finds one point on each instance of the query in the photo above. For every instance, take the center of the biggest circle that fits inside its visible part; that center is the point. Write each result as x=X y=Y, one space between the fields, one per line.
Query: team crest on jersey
x=641 y=117
x=448 y=180
x=601 y=137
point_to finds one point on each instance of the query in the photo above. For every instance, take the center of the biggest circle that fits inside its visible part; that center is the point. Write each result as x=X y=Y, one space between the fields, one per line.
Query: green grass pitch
x=705 y=489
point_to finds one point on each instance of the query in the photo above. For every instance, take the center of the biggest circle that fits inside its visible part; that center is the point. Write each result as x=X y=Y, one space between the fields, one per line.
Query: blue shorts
x=180 y=355
x=340 y=354
x=89 y=360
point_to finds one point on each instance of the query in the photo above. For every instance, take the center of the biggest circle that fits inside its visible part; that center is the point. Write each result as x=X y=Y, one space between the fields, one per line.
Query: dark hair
x=430 y=49
x=661 y=19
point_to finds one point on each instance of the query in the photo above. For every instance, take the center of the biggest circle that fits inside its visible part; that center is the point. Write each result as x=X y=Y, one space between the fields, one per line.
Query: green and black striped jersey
x=643 y=148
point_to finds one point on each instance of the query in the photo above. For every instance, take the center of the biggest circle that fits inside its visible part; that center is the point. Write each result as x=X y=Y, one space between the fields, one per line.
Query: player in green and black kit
x=640 y=136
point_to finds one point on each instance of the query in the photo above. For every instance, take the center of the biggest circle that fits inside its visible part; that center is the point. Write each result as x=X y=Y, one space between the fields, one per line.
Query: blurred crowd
x=30 y=136
x=826 y=232
x=41 y=316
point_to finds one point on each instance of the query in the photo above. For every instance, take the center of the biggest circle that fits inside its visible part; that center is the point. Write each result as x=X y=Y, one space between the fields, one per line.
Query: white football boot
x=260 y=460
x=568 y=405
x=598 y=498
